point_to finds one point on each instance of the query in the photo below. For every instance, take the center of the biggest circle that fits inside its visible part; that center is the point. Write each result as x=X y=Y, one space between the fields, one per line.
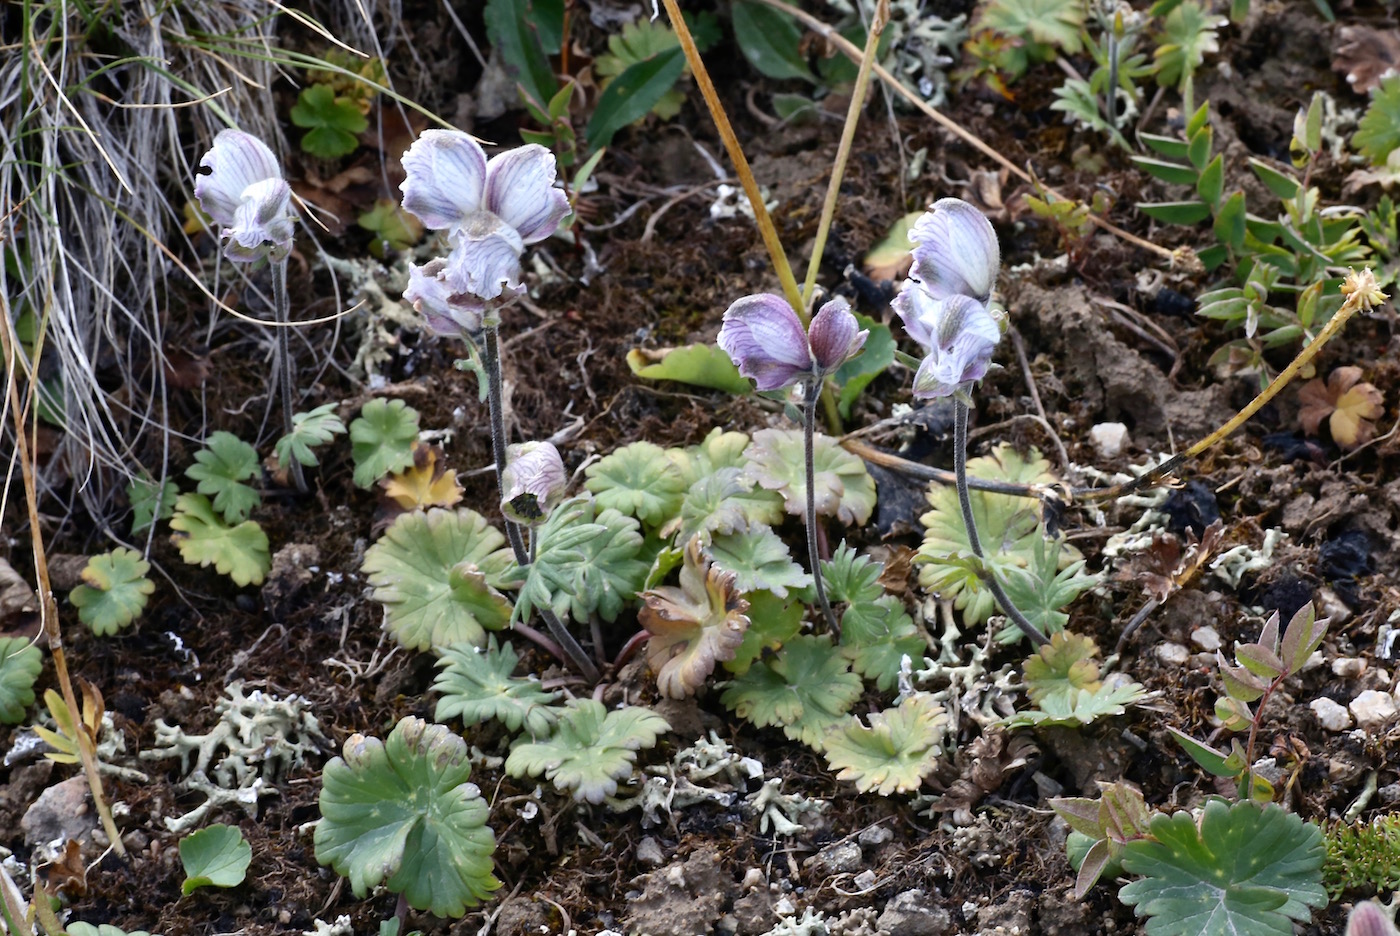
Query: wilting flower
x=764 y=337
x=247 y=197
x=533 y=483
x=490 y=209
x=447 y=312
x=944 y=303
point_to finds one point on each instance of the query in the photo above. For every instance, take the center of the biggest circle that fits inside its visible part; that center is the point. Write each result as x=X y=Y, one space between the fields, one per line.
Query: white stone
x=1109 y=439
x=1330 y=715
x=1373 y=709
x=1206 y=638
x=1348 y=667
x=1172 y=653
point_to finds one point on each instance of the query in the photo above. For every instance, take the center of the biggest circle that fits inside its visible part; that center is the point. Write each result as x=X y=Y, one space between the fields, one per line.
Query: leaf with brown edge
x=1349 y=405
x=423 y=484
x=692 y=627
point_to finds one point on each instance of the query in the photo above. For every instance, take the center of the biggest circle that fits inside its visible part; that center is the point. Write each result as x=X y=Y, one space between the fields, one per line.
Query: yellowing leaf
x=425 y=483
x=1350 y=404
x=694 y=626
x=892 y=257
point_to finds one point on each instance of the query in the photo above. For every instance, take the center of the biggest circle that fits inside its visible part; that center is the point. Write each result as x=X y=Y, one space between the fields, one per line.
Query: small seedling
x=382 y=439
x=216 y=856
x=203 y=538
x=114 y=592
x=221 y=467
x=310 y=430
x=332 y=123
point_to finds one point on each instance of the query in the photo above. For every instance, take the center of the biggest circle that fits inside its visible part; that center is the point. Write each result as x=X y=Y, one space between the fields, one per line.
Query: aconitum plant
x=764 y=337
x=245 y=194
x=491 y=210
x=945 y=305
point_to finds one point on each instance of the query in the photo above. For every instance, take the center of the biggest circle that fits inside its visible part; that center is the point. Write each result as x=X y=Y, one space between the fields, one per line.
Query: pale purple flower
x=491 y=209
x=955 y=251
x=533 y=483
x=245 y=194
x=1368 y=919
x=765 y=339
x=959 y=335
x=447 y=312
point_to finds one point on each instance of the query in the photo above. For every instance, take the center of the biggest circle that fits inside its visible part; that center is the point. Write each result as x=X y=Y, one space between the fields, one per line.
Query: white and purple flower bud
x=963 y=333
x=956 y=251
x=245 y=194
x=764 y=338
x=533 y=482
x=447 y=313
x=491 y=209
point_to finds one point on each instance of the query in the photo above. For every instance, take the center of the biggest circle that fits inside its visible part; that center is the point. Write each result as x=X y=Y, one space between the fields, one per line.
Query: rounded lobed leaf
x=401 y=813
x=382 y=439
x=806 y=689
x=590 y=749
x=638 y=480
x=20 y=665
x=216 y=856
x=478 y=684
x=115 y=592
x=844 y=489
x=240 y=552
x=894 y=754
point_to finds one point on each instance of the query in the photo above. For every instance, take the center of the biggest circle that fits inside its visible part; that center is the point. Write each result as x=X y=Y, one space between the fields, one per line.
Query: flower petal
x=446 y=175
x=262 y=223
x=919 y=311
x=235 y=161
x=486 y=258
x=533 y=483
x=764 y=338
x=835 y=335
x=956 y=251
x=520 y=190
x=967 y=334
x=961 y=318
x=447 y=313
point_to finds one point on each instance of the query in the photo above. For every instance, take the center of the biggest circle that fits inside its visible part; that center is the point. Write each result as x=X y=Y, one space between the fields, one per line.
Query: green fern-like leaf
x=638 y=480
x=150 y=502
x=401 y=813
x=1379 y=131
x=805 y=690
x=876 y=636
x=590 y=750
x=240 y=552
x=1243 y=869
x=477 y=685
x=221 y=468
x=894 y=754
x=851 y=577
x=1044 y=588
x=844 y=489
x=438 y=575
x=309 y=430
x=1188 y=35
x=114 y=592
x=1048 y=22
x=589 y=561
x=382 y=439
x=722 y=502
x=20 y=665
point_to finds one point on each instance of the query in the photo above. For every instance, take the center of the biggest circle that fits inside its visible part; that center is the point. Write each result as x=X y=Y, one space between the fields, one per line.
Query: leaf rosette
x=590 y=750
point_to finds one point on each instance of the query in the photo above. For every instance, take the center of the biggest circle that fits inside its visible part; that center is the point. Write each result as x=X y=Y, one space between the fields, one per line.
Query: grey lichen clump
x=262 y=738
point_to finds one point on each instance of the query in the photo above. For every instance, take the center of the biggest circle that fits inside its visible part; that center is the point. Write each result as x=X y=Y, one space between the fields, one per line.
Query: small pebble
x=1206 y=638
x=1330 y=715
x=865 y=880
x=1109 y=439
x=1172 y=653
x=842 y=858
x=1372 y=708
x=1389 y=794
x=875 y=835
x=1348 y=667
x=649 y=853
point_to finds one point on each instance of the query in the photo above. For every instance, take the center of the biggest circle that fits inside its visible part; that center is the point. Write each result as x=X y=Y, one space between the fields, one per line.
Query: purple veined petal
x=446 y=178
x=764 y=338
x=235 y=161
x=1368 y=919
x=520 y=191
x=262 y=223
x=919 y=311
x=533 y=482
x=834 y=335
x=960 y=318
x=447 y=313
x=956 y=251
x=963 y=353
x=485 y=258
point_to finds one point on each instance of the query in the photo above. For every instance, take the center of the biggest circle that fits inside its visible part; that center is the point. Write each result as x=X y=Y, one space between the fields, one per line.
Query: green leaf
x=692 y=627
x=1051 y=22
x=804 y=689
x=1280 y=183
x=1210 y=760
x=719 y=449
x=770 y=41
x=1188 y=35
x=1189 y=212
x=727 y=501
x=1246 y=870
x=1175 y=173
x=221 y=468
x=396 y=229
x=638 y=480
x=844 y=489
x=855 y=375
x=1043 y=588
x=437 y=574
x=216 y=856
x=115 y=591
x=1169 y=147
x=700 y=365
x=590 y=750
x=851 y=577
x=1080 y=708
x=240 y=552
x=1229 y=223
x=1199 y=120
x=20 y=665
x=382 y=439
x=144 y=494
x=1303 y=635
x=401 y=813
x=588 y=561
x=894 y=754
x=478 y=684
x=876 y=636
x=332 y=121
x=772 y=623
x=1211 y=183
x=1198 y=150
x=631 y=95
x=510 y=28
x=759 y=559
x=1062 y=667
x=1378 y=133
x=309 y=430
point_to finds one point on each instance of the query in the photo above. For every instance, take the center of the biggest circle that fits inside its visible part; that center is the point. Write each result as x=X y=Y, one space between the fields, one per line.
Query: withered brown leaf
x=692 y=627
x=1349 y=405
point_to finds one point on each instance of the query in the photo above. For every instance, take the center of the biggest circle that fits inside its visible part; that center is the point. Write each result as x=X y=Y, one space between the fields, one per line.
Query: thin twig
x=1035 y=398
x=283 y=312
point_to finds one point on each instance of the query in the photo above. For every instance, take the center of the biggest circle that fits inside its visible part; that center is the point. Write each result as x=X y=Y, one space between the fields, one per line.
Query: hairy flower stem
x=491 y=360
x=987 y=576
x=48 y=607
x=809 y=423
x=282 y=309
